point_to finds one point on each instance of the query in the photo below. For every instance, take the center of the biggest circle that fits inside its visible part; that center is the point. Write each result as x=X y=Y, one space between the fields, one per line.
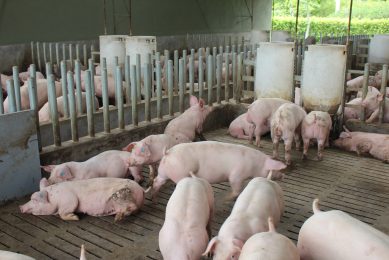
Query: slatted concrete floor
x=357 y=185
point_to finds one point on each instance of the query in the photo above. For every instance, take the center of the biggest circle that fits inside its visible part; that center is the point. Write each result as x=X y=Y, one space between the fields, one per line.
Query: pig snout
x=25 y=208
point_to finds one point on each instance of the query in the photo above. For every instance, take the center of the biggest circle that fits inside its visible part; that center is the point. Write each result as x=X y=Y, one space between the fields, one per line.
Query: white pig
x=7 y=255
x=187 y=227
x=372 y=102
x=261 y=199
x=106 y=164
x=270 y=246
x=242 y=129
x=336 y=235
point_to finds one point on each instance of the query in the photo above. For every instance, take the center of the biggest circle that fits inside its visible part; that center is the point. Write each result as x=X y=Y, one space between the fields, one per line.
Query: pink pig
x=95 y=197
x=269 y=245
x=24 y=76
x=260 y=113
x=356 y=84
x=372 y=102
x=216 y=162
x=286 y=125
x=316 y=125
x=187 y=125
x=242 y=129
x=336 y=235
x=106 y=164
x=188 y=220
x=261 y=199
x=377 y=145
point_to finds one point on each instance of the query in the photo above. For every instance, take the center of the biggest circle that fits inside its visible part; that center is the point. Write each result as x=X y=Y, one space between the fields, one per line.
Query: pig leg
x=373 y=116
x=69 y=216
x=257 y=132
x=157 y=184
x=288 y=147
x=276 y=141
x=236 y=185
x=136 y=172
x=328 y=139
x=152 y=169
x=66 y=211
x=306 y=147
x=297 y=138
x=320 y=147
x=241 y=135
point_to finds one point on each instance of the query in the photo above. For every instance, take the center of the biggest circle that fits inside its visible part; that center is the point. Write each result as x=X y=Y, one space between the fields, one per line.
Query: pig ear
x=275 y=165
x=193 y=101
x=380 y=97
x=65 y=173
x=48 y=168
x=201 y=103
x=344 y=135
x=43 y=183
x=40 y=196
x=211 y=246
x=143 y=150
x=129 y=147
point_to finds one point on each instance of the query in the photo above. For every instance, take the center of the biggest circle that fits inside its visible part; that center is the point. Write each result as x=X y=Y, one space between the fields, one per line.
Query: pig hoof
x=69 y=216
x=289 y=162
x=304 y=157
x=119 y=216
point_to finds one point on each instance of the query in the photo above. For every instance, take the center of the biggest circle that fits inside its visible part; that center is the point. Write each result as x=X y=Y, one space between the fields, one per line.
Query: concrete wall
x=23 y=21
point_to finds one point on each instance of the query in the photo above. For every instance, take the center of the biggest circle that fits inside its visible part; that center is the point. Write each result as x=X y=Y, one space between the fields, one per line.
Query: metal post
x=127 y=79
x=364 y=88
x=175 y=71
x=210 y=79
x=191 y=75
x=32 y=94
x=11 y=96
x=38 y=53
x=104 y=82
x=64 y=90
x=159 y=88
x=227 y=77
x=201 y=76
x=239 y=78
x=32 y=53
x=184 y=59
x=77 y=71
x=383 y=93
x=119 y=97
x=64 y=52
x=77 y=51
x=170 y=86
x=51 y=53
x=134 y=108
x=53 y=110
x=85 y=55
x=57 y=55
x=72 y=108
x=181 y=86
x=234 y=76
x=218 y=77
x=138 y=76
x=15 y=76
x=93 y=83
x=1 y=99
x=147 y=86
x=71 y=56
x=44 y=52
x=89 y=104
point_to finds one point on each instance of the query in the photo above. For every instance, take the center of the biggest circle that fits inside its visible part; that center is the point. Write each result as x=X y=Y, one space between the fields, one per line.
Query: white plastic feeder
x=280 y=36
x=274 y=70
x=323 y=77
x=142 y=45
x=110 y=47
x=379 y=49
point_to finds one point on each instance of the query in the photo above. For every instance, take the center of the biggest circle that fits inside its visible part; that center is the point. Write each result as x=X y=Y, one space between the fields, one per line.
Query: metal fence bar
x=104 y=84
x=210 y=79
x=364 y=88
x=77 y=75
x=185 y=61
x=147 y=86
x=32 y=94
x=11 y=96
x=227 y=76
x=239 y=81
x=134 y=96
x=158 y=78
x=72 y=108
x=119 y=97
x=383 y=93
x=170 y=86
x=92 y=82
x=53 y=110
x=138 y=77
x=127 y=79
x=175 y=71
x=44 y=52
x=38 y=55
x=218 y=77
x=51 y=53
x=15 y=76
x=32 y=53
x=201 y=76
x=89 y=104
x=71 y=56
x=234 y=75
x=191 y=74
x=181 y=86
x=1 y=99
x=64 y=89
x=84 y=50
x=56 y=56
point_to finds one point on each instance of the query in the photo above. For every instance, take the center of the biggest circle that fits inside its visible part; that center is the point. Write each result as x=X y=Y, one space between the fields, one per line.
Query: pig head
x=39 y=204
x=58 y=173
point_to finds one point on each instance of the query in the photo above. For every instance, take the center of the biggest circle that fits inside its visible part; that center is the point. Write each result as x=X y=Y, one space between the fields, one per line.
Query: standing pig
x=372 y=102
x=316 y=125
x=187 y=227
x=351 y=112
x=216 y=162
x=286 y=125
x=336 y=235
x=377 y=145
x=95 y=197
x=44 y=112
x=261 y=199
x=270 y=246
x=242 y=129
x=185 y=126
x=260 y=113
x=106 y=164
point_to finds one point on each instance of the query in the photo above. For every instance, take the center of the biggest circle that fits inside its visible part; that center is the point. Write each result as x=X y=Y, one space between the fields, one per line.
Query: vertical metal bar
x=383 y=93
x=77 y=72
x=104 y=82
x=201 y=76
x=72 y=108
x=53 y=110
x=218 y=77
x=119 y=95
x=181 y=86
x=89 y=104
x=78 y=51
x=147 y=80
x=15 y=76
x=92 y=55
x=51 y=53
x=138 y=76
x=32 y=94
x=64 y=52
x=11 y=96
x=159 y=88
x=239 y=78
x=214 y=53
x=191 y=74
x=57 y=54
x=91 y=68
x=127 y=79
x=85 y=54
x=134 y=95
x=32 y=53
x=71 y=56
x=38 y=53
x=64 y=90
x=184 y=59
x=227 y=77
x=207 y=53
x=1 y=99
x=48 y=69
x=234 y=76
x=175 y=71
x=249 y=70
x=170 y=86
x=44 y=52
x=210 y=79
x=364 y=88
x=220 y=49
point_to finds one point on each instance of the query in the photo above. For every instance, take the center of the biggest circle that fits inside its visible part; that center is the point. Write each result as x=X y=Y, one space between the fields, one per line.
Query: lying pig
x=351 y=112
x=7 y=255
x=111 y=163
x=99 y=85
x=242 y=129
x=286 y=125
x=270 y=246
x=44 y=112
x=188 y=124
x=95 y=197
x=316 y=125
x=188 y=220
x=24 y=76
x=216 y=162
x=261 y=199
x=356 y=84
x=378 y=79
x=149 y=151
x=260 y=113
x=377 y=145
x=372 y=102
x=42 y=95
x=336 y=235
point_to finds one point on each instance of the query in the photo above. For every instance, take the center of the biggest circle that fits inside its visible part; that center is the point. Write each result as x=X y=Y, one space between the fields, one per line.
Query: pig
x=377 y=145
x=149 y=151
x=42 y=95
x=188 y=220
x=286 y=125
x=99 y=85
x=106 y=164
x=188 y=124
x=356 y=84
x=316 y=125
x=378 y=79
x=372 y=102
x=242 y=129
x=3 y=81
x=351 y=112
x=216 y=162
x=24 y=76
x=270 y=246
x=7 y=255
x=260 y=112
x=261 y=199
x=95 y=197
x=44 y=112
x=336 y=235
